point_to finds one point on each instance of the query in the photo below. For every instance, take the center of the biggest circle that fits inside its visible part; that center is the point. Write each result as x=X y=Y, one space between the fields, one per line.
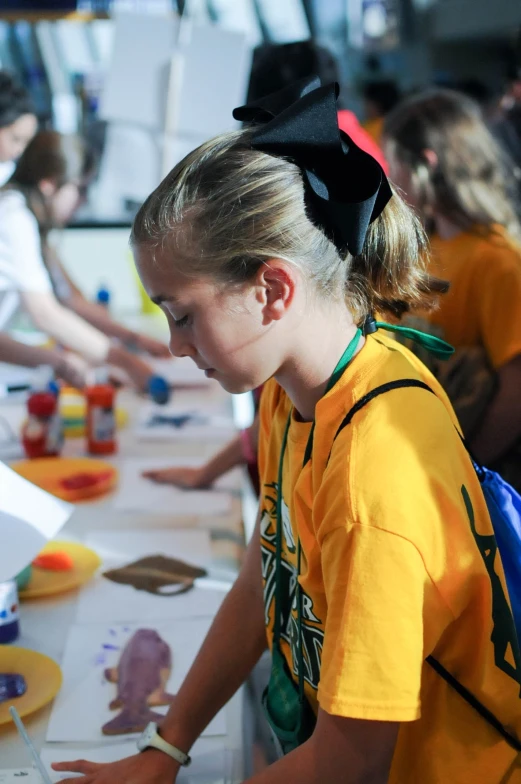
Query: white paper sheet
x=18 y=775
x=29 y=517
x=103 y=601
x=82 y=706
x=135 y=493
x=181 y=371
x=210 y=762
x=183 y=423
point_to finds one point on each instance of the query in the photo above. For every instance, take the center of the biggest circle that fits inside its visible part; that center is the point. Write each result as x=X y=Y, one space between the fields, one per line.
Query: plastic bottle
x=9 y=612
x=42 y=433
x=103 y=296
x=101 y=420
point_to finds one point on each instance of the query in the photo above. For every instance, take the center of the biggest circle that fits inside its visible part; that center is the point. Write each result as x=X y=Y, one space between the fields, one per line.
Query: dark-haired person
x=18 y=123
x=380 y=97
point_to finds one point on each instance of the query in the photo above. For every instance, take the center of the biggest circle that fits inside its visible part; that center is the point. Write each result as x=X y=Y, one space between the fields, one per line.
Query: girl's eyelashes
x=180 y=323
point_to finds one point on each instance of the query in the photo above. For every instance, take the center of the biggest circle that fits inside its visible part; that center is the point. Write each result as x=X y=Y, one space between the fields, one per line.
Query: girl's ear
x=430 y=158
x=47 y=187
x=275 y=288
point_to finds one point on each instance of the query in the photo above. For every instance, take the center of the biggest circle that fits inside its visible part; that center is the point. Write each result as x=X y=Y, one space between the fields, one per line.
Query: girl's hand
x=150 y=767
x=153 y=347
x=187 y=478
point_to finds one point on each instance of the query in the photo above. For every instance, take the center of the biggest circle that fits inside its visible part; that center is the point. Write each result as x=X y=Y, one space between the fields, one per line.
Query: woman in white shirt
x=18 y=125
x=43 y=193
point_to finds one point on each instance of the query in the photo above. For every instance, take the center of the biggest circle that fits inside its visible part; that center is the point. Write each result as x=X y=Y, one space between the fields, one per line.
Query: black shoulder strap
x=474 y=703
x=401 y=383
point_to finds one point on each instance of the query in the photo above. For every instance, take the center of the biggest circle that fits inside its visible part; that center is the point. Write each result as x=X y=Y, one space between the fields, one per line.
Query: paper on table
x=15 y=775
x=182 y=423
x=135 y=493
x=181 y=371
x=232 y=481
x=105 y=601
x=82 y=706
x=210 y=762
x=29 y=517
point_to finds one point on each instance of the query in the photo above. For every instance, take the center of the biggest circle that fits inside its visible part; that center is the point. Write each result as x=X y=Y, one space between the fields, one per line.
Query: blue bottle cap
x=158 y=389
x=54 y=388
x=103 y=296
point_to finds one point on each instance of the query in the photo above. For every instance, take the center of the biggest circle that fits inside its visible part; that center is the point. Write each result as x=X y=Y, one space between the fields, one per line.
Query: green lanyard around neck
x=343 y=362
x=336 y=375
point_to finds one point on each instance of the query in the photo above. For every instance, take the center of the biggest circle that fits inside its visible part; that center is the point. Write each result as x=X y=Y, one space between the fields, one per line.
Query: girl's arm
x=501 y=426
x=72 y=331
x=31 y=356
x=340 y=751
x=232 y=647
x=98 y=317
x=232 y=455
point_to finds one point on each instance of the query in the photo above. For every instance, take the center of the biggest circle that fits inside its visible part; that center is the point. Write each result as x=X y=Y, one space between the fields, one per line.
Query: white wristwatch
x=151 y=739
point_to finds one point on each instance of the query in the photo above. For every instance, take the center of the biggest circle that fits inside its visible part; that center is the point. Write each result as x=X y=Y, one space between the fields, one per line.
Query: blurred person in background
x=447 y=162
x=18 y=123
x=46 y=188
x=380 y=97
x=276 y=66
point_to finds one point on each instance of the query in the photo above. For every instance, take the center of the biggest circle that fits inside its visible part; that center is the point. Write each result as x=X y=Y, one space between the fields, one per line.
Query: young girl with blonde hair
x=371 y=574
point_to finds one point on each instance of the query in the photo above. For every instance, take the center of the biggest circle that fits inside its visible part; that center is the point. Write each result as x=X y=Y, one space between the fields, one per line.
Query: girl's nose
x=180 y=347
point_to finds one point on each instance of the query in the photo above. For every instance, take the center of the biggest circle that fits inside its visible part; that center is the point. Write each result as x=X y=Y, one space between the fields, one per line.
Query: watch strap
x=159 y=743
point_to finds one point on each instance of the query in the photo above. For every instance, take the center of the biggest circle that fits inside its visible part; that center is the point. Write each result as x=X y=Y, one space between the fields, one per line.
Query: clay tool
x=28 y=742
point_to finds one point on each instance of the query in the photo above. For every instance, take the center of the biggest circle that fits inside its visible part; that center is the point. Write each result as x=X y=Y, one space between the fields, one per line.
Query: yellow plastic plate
x=46 y=583
x=42 y=676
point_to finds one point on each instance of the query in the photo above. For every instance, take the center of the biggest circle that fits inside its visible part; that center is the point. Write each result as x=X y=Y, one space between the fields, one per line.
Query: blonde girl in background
x=453 y=173
x=269 y=249
x=45 y=190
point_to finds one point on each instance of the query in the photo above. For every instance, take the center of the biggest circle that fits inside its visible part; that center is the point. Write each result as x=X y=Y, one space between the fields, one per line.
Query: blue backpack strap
x=470 y=699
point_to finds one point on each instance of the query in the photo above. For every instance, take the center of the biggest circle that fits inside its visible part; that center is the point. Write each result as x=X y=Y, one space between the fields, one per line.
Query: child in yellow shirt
x=450 y=167
x=268 y=248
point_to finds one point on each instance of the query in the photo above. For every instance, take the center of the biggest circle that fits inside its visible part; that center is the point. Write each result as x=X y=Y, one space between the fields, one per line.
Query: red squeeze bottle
x=42 y=433
x=101 y=420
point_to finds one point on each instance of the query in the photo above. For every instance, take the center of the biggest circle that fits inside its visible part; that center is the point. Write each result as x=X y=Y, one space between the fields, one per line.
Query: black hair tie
x=345 y=187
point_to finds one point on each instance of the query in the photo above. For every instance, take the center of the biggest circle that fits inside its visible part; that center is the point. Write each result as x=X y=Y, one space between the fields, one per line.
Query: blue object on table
x=175 y=421
x=158 y=389
x=12 y=685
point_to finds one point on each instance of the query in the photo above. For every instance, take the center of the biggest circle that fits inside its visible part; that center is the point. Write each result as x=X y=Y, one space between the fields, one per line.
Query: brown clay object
x=155 y=572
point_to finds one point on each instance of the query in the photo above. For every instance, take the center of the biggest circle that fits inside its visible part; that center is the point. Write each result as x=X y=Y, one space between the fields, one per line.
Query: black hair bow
x=345 y=188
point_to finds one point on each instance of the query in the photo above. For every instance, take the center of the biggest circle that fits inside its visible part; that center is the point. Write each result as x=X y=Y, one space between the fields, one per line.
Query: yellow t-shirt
x=398 y=562
x=483 y=305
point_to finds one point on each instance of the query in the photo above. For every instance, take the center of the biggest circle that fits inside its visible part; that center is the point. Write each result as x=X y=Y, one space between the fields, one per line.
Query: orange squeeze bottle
x=101 y=420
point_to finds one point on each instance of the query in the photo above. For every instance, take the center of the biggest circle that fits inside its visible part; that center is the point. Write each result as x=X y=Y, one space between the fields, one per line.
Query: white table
x=45 y=623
